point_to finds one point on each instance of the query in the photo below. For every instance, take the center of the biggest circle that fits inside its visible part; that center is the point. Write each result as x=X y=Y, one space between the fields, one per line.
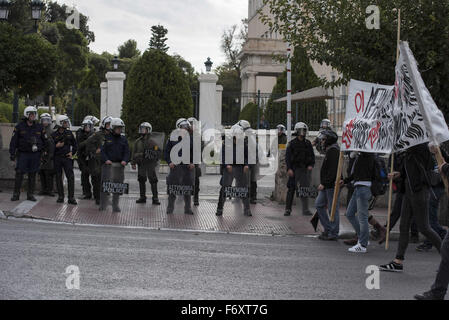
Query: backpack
x=380 y=181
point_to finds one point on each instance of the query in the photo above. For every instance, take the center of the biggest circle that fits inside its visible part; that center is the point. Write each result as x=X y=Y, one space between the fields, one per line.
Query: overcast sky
x=194 y=26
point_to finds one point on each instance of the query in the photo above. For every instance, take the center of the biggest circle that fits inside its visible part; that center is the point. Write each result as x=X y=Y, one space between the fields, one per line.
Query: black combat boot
x=155 y=194
x=188 y=205
x=31 y=185
x=171 y=204
x=221 y=201
x=253 y=192
x=17 y=186
x=115 y=203
x=71 y=189
x=289 y=202
x=143 y=191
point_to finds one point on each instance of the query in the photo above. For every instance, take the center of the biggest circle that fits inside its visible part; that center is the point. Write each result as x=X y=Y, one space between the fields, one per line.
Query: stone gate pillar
x=208 y=101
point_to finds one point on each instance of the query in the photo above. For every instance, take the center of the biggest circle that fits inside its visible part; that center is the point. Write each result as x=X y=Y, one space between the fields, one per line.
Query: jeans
x=434 y=204
x=442 y=280
x=323 y=206
x=359 y=205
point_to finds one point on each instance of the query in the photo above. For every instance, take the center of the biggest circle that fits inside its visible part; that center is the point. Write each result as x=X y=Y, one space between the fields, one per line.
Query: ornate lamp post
x=4 y=9
x=115 y=63
x=208 y=65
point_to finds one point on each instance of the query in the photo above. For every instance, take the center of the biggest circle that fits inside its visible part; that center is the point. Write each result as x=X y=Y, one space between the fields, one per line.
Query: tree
x=303 y=78
x=88 y=97
x=189 y=72
x=128 y=49
x=232 y=41
x=100 y=64
x=158 y=38
x=249 y=113
x=334 y=32
x=157 y=92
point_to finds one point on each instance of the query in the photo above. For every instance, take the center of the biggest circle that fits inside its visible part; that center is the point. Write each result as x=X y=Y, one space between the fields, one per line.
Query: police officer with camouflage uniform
x=93 y=149
x=82 y=135
x=46 y=172
x=26 y=146
x=146 y=154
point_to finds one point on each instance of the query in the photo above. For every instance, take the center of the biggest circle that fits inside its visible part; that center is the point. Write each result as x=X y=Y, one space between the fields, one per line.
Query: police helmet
x=87 y=124
x=145 y=128
x=62 y=121
x=45 y=118
x=281 y=128
x=105 y=121
x=183 y=124
x=117 y=123
x=94 y=119
x=245 y=125
x=29 y=111
x=301 y=129
x=325 y=124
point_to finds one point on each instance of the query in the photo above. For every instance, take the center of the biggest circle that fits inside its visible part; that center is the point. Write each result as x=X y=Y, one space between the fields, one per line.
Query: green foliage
x=249 y=113
x=157 y=92
x=6 y=110
x=100 y=64
x=88 y=97
x=158 y=38
x=189 y=71
x=128 y=49
x=334 y=32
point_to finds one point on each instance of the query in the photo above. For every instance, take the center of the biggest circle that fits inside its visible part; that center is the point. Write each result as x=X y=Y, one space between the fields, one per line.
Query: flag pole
x=390 y=191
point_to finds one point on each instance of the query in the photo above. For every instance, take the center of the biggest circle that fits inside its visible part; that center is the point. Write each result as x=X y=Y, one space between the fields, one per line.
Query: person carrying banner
x=415 y=169
x=439 y=289
x=82 y=135
x=46 y=172
x=183 y=173
x=328 y=176
x=93 y=149
x=65 y=148
x=146 y=155
x=300 y=160
x=115 y=157
x=196 y=199
x=25 y=150
x=233 y=169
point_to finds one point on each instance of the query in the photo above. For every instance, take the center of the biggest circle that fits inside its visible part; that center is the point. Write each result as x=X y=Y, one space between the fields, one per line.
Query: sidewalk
x=268 y=217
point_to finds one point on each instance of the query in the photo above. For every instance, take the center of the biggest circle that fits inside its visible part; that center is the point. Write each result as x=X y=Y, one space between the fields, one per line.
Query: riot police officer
x=181 y=173
x=46 y=172
x=65 y=148
x=94 y=120
x=115 y=157
x=26 y=146
x=324 y=126
x=253 y=168
x=146 y=155
x=300 y=160
x=196 y=200
x=234 y=169
x=82 y=135
x=282 y=137
x=93 y=150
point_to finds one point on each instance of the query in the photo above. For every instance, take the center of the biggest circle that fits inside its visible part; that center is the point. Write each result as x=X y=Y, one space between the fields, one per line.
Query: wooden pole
x=337 y=187
x=390 y=192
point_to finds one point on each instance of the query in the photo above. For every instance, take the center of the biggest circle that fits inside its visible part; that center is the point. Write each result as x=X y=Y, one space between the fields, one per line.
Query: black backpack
x=380 y=181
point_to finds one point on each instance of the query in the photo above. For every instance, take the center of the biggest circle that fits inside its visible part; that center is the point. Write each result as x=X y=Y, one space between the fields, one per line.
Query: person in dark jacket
x=282 y=137
x=86 y=130
x=300 y=160
x=25 y=149
x=115 y=156
x=65 y=148
x=328 y=176
x=234 y=168
x=415 y=170
x=439 y=289
x=182 y=171
x=46 y=172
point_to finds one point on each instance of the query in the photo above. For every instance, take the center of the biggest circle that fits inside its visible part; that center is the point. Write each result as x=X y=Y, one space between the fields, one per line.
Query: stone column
x=219 y=95
x=208 y=101
x=104 y=99
x=115 y=93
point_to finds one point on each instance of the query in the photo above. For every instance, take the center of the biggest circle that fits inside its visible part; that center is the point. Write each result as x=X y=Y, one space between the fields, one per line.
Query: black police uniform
x=47 y=169
x=81 y=136
x=24 y=138
x=63 y=162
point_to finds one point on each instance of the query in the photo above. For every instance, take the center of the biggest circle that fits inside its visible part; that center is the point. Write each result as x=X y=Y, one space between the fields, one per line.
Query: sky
x=194 y=26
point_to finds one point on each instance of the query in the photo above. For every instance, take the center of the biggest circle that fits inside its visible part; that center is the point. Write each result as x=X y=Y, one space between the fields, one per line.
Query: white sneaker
x=358 y=248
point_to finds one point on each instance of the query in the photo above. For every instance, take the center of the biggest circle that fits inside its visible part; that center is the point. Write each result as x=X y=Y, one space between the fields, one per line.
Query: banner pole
x=337 y=186
x=390 y=191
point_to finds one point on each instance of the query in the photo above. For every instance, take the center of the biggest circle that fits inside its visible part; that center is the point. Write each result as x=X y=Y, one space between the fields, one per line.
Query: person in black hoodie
x=328 y=175
x=415 y=169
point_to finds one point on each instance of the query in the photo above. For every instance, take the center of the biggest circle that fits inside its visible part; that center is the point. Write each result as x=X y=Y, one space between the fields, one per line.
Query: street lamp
x=115 y=63
x=4 y=9
x=36 y=9
x=208 y=65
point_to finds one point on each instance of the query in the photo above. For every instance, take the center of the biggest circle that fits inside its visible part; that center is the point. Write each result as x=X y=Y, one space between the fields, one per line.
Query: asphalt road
x=119 y=263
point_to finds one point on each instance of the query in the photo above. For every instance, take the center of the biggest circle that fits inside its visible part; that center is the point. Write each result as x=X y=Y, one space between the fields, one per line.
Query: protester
x=300 y=160
x=328 y=176
x=115 y=156
x=146 y=155
x=25 y=149
x=182 y=173
x=65 y=148
x=46 y=172
x=83 y=133
x=415 y=170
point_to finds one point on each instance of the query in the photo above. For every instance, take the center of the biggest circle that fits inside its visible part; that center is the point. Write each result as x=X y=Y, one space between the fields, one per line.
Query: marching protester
x=82 y=135
x=300 y=160
x=146 y=155
x=115 y=156
x=181 y=173
x=25 y=149
x=46 y=172
x=362 y=175
x=439 y=289
x=415 y=169
x=328 y=176
x=196 y=200
x=282 y=137
x=65 y=148
x=234 y=169
x=93 y=150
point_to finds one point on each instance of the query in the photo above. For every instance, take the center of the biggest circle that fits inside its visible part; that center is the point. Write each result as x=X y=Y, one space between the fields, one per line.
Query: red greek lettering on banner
x=360 y=97
x=374 y=134
x=347 y=134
